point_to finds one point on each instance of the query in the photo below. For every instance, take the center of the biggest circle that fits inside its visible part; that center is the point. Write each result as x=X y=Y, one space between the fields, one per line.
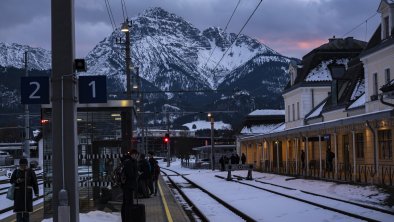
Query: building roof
x=314 y=65
x=267 y=112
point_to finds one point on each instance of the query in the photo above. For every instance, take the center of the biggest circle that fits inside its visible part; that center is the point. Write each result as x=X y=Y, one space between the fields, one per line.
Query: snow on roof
x=262 y=129
x=317 y=111
x=202 y=124
x=358 y=90
x=359 y=102
x=322 y=73
x=267 y=112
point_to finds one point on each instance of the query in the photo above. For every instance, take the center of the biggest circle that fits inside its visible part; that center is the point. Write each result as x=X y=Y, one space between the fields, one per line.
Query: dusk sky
x=291 y=27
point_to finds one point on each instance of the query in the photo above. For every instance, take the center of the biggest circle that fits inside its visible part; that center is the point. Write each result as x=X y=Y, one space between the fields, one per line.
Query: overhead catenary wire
x=357 y=26
x=110 y=15
x=125 y=8
x=239 y=33
x=225 y=28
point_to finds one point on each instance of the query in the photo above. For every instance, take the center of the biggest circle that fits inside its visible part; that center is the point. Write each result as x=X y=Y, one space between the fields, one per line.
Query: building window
x=387 y=74
x=386 y=29
x=360 y=145
x=293 y=112
x=298 y=110
x=385 y=149
x=288 y=113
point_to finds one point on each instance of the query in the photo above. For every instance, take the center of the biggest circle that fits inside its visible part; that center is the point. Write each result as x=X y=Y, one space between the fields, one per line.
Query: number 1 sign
x=35 y=90
x=92 y=89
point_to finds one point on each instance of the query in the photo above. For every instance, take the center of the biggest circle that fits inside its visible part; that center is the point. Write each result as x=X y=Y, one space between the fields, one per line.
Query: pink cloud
x=293 y=47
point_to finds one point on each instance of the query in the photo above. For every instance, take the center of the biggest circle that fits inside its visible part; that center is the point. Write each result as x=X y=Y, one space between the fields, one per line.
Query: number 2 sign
x=35 y=90
x=92 y=89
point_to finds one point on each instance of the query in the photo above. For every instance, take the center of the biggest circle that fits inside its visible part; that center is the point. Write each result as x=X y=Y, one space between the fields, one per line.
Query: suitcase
x=135 y=213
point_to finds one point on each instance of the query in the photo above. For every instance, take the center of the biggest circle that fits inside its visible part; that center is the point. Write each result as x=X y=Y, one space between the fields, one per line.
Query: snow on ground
x=213 y=210
x=265 y=206
x=96 y=216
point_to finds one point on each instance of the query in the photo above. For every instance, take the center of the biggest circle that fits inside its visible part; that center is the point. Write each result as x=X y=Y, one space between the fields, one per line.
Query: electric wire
x=225 y=29
x=239 y=33
x=110 y=15
x=357 y=26
x=123 y=12
x=125 y=8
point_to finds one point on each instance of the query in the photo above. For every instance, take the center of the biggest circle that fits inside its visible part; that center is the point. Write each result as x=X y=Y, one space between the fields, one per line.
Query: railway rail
x=238 y=215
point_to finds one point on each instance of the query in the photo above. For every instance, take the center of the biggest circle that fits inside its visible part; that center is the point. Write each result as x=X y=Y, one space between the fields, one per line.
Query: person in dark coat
x=130 y=185
x=222 y=162
x=233 y=159
x=156 y=174
x=329 y=158
x=25 y=181
x=144 y=173
x=243 y=158
x=152 y=163
x=237 y=159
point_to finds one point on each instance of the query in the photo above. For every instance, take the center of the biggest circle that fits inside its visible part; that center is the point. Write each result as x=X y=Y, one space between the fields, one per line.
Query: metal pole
x=26 y=147
x=287 y=156
x=307 y=156
x=296 y=154
x=277 y=155
x=336 y=156
x=320 y=159
x=354 y=156
x=129 y=119
x=212 y=143
x=168 y=143
x=63 y=65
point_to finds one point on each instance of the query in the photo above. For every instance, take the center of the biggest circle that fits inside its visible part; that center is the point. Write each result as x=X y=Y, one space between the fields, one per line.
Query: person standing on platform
x=243 y=158
x=144 y=173
x=25 y=181
x=152 y=163
x=156 y=174
x=130 y=172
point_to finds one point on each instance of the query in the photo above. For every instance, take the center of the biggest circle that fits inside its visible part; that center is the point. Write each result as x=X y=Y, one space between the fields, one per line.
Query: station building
x=339 y=99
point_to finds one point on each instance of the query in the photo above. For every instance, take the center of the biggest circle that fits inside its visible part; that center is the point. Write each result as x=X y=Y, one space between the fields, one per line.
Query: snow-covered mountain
x=172 y=54
x=13 y=55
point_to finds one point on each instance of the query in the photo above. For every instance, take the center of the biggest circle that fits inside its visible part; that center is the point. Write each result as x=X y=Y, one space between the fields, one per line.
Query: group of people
x=141 y=177
x=234 y=159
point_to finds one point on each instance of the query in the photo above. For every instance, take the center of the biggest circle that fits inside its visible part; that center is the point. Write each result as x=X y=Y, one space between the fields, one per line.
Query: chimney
x=331 y=39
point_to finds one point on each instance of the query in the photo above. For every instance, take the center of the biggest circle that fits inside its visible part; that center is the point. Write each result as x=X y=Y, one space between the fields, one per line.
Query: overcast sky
x=291 y=27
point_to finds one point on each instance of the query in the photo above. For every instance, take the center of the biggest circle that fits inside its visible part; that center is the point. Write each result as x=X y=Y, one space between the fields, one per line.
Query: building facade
x=336 y=125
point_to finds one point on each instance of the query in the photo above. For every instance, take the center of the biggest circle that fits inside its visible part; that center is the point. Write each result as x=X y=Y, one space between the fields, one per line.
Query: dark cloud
x=292 y=27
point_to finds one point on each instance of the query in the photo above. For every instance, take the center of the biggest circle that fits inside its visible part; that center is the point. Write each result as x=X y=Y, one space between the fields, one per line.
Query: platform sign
x=92 y=89
x=35 y=90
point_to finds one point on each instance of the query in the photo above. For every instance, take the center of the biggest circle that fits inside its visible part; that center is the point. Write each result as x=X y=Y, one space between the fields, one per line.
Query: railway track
x=186 y=187
x=345 y=207
x=354 y=210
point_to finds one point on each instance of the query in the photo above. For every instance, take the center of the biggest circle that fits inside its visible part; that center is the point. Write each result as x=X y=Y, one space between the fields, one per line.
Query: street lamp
x=210 y=116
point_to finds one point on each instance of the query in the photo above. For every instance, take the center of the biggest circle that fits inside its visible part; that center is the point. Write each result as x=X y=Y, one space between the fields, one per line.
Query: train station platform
x=162 y=207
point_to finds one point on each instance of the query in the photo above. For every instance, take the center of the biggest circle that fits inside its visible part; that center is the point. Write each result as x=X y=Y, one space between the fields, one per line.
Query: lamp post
x=210 y=116
x=128 y=114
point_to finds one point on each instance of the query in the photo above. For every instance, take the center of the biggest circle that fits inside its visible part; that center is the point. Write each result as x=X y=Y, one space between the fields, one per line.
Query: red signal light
x=44 y=121
x=166 y=138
